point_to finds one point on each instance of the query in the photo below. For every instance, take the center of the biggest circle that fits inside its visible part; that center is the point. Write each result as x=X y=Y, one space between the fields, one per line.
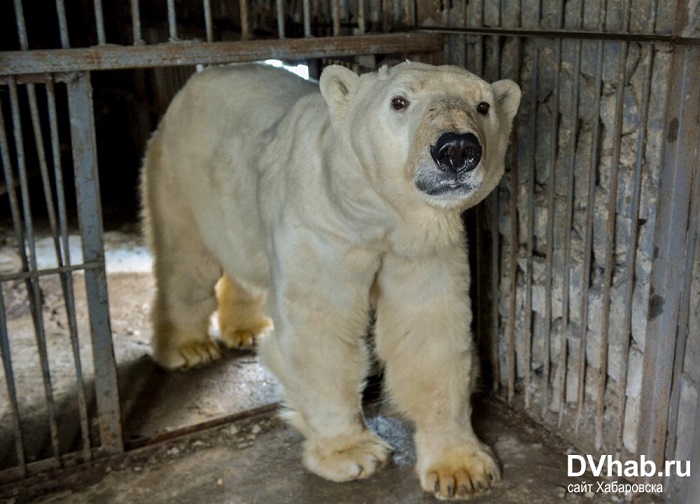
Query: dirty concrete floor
x=257 y=460
x=250 y=460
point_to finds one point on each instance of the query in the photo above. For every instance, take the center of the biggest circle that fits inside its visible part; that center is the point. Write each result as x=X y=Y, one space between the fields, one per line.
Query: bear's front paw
x=346 y=457
x=241 y=339
x=459 y=472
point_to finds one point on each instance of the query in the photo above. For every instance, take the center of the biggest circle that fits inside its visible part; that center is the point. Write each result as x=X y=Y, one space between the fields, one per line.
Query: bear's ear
x=337 y=84
x=507 y=94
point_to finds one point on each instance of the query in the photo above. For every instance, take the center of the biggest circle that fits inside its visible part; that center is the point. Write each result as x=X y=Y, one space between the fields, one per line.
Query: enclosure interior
x=586 y=273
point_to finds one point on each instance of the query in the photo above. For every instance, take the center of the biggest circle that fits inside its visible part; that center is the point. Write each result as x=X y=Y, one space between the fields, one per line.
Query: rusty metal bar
x=67 y=277
x=133 y=444
x=11 y=390
x=632 y=249
x=527 y=357
x=611 y=227
x=684 y=308
x=610 y=245
x=566 y=281
x=527 y=351
x=32 y=283
x=27 y=275
x=560 y=34
x=670 y=249
x=514 y=249
x=588 y=240
x=43 y=168
x=122 y=57
x=551 y=217
x=90 y=218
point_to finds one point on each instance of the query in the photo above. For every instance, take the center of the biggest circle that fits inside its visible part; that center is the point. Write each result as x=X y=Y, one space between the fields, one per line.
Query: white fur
x=308 y=199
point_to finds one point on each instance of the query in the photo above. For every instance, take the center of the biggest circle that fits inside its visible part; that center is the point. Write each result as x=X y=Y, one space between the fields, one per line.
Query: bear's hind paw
x=188 y=355
x=241 y=339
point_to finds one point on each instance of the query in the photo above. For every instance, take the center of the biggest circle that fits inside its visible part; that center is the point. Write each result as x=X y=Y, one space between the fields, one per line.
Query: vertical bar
x=514 y=246
x=335 y=14
x=307 y=17
x=172 y=21
x=670 y=249
x=590 y=206
x=62 y=24
x=462 y=39
x=43 y=167
x=280 y=18
x=632 y=249
x=33 y=283
x=4 y=336
x=530 y=229
x=90 y=217
x=691 y=489
x=563 y=353
x=386 y=15
x=551 y=217
x=21 y=26
x=684 y=309
x=207 y=21
x=514 y=220
x=588 y=240
x=136 y=22
x=100 y=23
x=67 y=278
x=534 y=85
x=245 y=21
x=610 y=245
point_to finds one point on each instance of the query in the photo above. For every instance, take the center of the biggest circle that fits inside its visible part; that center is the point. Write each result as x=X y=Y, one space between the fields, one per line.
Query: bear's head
x=426 y=134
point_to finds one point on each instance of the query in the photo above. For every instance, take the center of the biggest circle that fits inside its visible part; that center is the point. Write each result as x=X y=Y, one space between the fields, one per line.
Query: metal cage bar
x=32 y=280
x=90 y=218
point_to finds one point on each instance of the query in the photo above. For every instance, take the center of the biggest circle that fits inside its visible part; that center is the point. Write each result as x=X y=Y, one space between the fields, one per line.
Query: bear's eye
x=399 y=103
x=483 y=108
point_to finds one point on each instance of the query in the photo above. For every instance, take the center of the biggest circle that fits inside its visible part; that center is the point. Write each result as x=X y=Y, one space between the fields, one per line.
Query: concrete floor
x=254 y=459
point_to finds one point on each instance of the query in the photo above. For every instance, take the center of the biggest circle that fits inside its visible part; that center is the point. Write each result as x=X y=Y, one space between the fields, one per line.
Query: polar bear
x=318 y=202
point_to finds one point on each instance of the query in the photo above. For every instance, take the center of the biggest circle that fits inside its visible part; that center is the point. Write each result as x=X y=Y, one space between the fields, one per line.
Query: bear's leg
x=321 y=383
x=240 y=315
x=423 y=337
x=318 y=354
x=186 y=273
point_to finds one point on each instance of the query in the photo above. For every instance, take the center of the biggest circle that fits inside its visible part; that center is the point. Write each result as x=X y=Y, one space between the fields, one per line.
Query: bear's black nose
x=456 y=152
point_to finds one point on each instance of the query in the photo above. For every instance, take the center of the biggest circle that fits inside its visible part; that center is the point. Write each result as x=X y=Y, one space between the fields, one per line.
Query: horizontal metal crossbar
x=115 y=57
x=561 y=34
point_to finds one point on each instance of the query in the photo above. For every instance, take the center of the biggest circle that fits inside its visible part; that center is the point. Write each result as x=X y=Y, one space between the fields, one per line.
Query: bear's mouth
x=438 y=184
